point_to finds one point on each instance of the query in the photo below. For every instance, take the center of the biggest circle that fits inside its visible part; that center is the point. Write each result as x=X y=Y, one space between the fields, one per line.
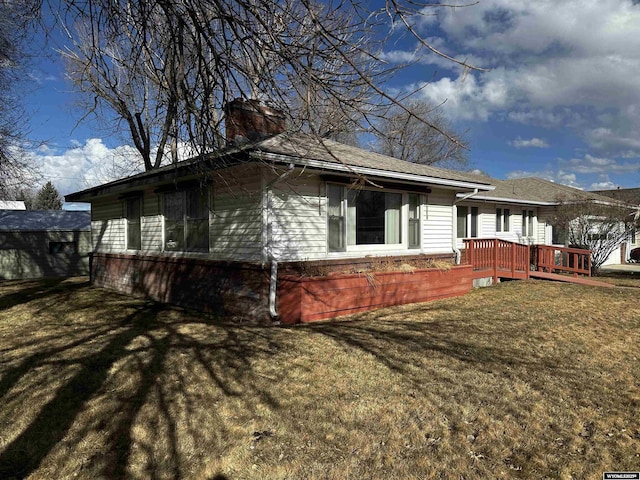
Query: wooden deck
x=502 y=259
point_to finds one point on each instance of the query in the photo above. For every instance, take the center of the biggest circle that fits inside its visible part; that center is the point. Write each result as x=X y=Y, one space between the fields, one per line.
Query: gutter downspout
x=454 y=222
x=273 y=279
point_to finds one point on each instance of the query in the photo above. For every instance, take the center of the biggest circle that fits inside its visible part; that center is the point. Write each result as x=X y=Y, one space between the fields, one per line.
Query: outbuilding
x=44 y=243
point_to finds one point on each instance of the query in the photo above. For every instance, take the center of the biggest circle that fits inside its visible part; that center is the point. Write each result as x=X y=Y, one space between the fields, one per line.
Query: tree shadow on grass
x=410 y=343
x=100 y=378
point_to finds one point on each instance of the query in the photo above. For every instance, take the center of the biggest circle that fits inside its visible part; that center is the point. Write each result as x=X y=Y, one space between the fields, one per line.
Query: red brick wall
x=235 y=290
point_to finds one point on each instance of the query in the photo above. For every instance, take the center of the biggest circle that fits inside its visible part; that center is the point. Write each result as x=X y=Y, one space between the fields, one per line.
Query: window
x=462 y=221
x=527 y=223
x=414 y=220
x=559 y=235
x=186 y=221
x=467 y=222
x=502 y=219
x=132 y=213
x=371 y=217
x=336 y=220
x=63 y=248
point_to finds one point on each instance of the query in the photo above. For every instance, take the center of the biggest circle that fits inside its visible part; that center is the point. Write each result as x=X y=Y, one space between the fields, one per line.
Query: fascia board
x=374 y=172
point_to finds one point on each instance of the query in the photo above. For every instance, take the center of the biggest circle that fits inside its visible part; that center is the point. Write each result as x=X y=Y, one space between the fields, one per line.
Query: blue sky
x=559 y=99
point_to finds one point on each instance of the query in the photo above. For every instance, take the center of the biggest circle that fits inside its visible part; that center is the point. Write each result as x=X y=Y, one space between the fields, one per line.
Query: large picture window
x=186 y=221
x=371 y=218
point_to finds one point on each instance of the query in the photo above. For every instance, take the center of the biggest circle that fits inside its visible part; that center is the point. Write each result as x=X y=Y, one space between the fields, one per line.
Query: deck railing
x=503 y=259
x=561 y=259
x=499 y=258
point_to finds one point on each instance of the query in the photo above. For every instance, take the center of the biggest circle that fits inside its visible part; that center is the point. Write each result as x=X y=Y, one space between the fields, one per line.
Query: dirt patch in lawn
x=521 y=380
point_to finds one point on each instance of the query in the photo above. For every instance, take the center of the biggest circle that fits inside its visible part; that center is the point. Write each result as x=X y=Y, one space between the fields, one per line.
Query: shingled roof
x=533 y=190
x=302 y=150
x=305 y=147
x=628 y=195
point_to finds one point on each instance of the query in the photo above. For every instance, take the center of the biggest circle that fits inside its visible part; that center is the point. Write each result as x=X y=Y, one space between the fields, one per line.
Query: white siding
x=545 y=230
x=236 y=215
x=108 y=229
x=297 y=218
x=151 y=233
x=438 y=222
x=108 y=235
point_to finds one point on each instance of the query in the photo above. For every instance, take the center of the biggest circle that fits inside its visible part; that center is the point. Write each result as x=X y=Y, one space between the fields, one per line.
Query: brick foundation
x=231 y=289
x=306 y=291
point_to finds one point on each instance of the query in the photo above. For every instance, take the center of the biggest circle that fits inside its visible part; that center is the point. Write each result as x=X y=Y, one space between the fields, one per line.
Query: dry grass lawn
x=528 y=380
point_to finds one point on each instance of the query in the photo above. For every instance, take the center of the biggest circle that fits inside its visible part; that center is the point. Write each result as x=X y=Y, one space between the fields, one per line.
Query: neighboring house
x=12 y=205
x=632 y=197
x=234 y=230
x=520 y=210
x=35 y=244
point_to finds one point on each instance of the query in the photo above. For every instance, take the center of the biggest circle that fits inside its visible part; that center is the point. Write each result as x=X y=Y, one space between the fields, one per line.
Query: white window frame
x=528 y=223
x=378 y=247
x=503 y=220
x=468 y=222
x=128 y=222
x=205 y=194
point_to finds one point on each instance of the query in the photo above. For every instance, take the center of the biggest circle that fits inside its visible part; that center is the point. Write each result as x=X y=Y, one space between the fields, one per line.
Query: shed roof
x=12 y=205
x=44 y=220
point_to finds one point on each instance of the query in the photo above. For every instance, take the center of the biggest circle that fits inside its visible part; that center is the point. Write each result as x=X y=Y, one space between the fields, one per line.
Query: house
x=244 y=231
x=209 y=232
x=630 y=196
x=35 y=244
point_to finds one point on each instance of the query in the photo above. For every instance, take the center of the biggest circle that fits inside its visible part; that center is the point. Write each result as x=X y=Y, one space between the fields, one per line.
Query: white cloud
x=84 y=166
x=597 y=165
x=602 y=186
x=531 y=143
x=574 y=63
x=562 y=177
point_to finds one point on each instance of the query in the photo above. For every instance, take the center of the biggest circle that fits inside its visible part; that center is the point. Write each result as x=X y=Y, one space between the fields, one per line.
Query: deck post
x=471 y=245
x=513 y=260
x=495 y=260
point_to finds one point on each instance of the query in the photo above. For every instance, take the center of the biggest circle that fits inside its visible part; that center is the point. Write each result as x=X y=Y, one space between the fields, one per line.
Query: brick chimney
x=251 y=121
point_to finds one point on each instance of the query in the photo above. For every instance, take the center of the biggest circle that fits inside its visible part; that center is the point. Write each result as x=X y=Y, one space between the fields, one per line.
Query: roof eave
x=489 y=198
x=367 y=171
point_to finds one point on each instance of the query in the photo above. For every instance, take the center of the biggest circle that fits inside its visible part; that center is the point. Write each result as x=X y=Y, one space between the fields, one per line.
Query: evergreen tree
x=28 y=196
x=48 y=198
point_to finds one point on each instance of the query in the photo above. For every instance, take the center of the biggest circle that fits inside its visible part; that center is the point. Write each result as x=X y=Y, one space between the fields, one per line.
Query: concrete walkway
x=632 y=268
